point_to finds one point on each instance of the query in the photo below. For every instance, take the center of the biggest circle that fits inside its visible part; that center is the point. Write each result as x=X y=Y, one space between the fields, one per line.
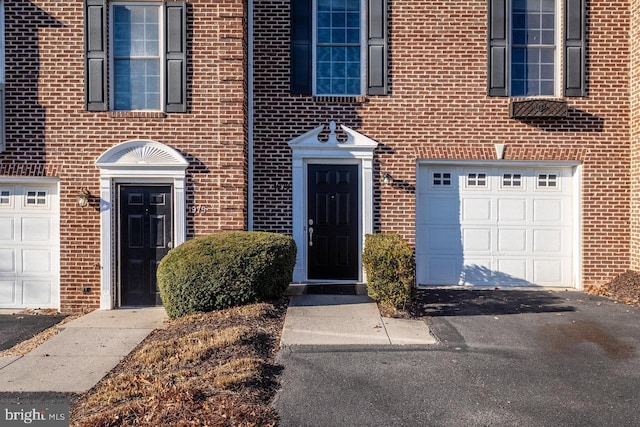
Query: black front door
x=333 y=222
x=146 y=231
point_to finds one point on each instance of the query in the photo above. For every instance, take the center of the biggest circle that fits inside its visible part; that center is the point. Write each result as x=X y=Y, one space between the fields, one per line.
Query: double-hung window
x=533 y=47
x=339 y=47
x=136 y=64
x=527 y=48
x=143 y=45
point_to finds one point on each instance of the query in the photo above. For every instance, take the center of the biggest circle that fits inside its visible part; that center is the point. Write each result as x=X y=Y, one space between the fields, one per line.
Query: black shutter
x=176 y=57
x=377 y=52
x=95 y=55
x=497 y=76
x=301 y=15
x=575 y=48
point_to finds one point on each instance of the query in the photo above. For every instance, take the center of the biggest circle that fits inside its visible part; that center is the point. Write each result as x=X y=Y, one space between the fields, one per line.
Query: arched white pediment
x=141 y=154
x=309 y=144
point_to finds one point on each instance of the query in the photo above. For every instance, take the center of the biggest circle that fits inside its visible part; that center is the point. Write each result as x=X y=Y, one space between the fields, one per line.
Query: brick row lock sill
x=137 y=114
x=518 y=108
x=526 y=108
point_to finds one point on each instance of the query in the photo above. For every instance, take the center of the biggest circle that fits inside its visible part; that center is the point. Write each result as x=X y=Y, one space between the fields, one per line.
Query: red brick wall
x=635 y=132
x=438 y=109
x=49 y=133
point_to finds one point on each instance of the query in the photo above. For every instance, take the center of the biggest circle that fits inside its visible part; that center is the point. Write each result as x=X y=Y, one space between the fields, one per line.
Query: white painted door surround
x=135 y=162
x=309 y=149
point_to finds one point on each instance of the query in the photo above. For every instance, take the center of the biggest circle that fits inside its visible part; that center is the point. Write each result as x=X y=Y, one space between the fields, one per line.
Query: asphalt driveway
x=505 y=358
x=15 y=328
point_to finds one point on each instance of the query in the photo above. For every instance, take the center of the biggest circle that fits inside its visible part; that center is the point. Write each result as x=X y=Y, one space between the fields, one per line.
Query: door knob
x=310 y=236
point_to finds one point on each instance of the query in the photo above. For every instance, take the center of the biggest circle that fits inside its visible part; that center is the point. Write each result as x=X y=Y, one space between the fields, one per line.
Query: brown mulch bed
x=623 y=288
x=209 y=369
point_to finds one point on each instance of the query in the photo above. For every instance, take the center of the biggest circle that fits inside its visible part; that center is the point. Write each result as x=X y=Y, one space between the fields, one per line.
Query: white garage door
x=490 y=226
x=29 y=246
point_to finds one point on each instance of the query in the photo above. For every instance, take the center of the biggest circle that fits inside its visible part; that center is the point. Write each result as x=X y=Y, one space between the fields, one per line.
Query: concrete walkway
x=347 y=320
x=83 y=352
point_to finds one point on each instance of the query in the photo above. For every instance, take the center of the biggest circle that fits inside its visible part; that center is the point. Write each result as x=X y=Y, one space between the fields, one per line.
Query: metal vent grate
x=537 y=108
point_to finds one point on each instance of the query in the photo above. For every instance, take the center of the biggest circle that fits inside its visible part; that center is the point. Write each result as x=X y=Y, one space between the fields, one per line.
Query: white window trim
x=161 y=48
x=520 y=187
x=558 y=52
x=363 y=51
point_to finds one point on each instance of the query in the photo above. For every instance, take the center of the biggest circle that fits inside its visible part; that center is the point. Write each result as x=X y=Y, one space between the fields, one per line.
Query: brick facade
x=634 y=84
x=438 y=109
x=49 y=132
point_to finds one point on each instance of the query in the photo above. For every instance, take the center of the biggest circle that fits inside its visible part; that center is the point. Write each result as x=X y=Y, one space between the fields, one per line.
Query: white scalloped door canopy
x=140 y=153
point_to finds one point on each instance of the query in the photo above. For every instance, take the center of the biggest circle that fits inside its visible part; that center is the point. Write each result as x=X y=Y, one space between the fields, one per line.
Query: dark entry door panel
x=333 y=222
x=145 y=237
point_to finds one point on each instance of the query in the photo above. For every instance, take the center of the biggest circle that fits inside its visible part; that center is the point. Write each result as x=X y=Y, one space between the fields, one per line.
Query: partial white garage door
x=491 y=226
x=29 y=246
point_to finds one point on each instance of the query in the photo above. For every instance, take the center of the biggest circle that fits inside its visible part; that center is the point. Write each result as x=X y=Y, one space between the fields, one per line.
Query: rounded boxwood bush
x=224 y=270
x=391 y=269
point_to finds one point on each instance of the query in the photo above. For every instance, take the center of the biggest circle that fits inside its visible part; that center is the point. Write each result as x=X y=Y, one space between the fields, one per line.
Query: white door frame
x=307 y=149
x=135 y=162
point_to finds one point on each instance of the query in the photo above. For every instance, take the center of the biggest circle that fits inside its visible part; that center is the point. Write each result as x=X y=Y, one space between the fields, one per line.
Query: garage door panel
x=512 y=210
x=476 y=240
x=7 y=261
x=511 y=272
x=512 y=240
x=36 y=261
x=444 y=271
x=476 y=272
x=547 y=241
x=36 y=292
x=548 y=271
x=476 y=210
x=7 y=225
x=7 y=292
x=547 y=210
x=440 y=210
x=443 y=239
x=36 y=229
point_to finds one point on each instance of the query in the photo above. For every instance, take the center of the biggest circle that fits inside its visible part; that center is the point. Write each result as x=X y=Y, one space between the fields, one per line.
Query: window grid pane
x=441 y=179
x=533 y=48
x=136 y=57
x=338 y=48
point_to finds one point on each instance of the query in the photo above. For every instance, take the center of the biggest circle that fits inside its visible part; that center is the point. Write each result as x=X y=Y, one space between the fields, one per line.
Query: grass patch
x=212 y=369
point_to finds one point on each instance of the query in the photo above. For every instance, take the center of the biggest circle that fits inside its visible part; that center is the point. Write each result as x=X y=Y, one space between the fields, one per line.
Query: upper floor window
x=145 y=45
x=533 y=47
x=339 y=47
x=526 y=49
x=136 y=57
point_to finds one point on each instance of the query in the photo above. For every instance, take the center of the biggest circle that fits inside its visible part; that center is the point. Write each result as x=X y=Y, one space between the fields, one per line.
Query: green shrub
x=224 y=270
x=390 y=269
